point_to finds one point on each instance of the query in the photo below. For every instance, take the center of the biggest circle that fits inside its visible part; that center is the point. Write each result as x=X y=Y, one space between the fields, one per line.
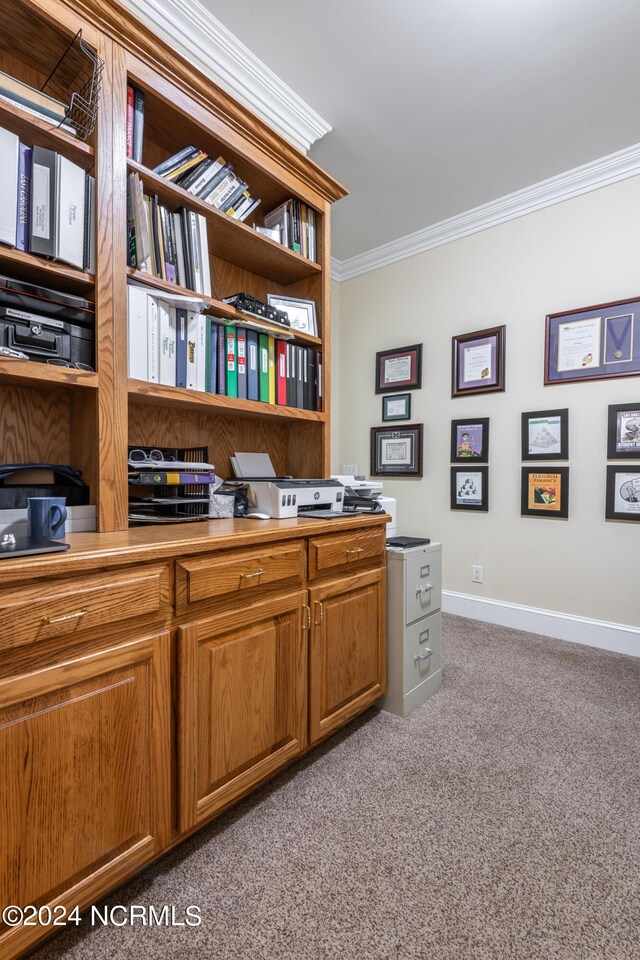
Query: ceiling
x=438 y=106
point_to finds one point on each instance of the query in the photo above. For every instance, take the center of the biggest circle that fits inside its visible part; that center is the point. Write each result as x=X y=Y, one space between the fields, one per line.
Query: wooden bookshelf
x=87 y=419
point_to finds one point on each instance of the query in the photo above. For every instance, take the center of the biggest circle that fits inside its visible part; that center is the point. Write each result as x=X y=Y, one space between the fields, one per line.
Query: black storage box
x=48 y=338
x=66 y=483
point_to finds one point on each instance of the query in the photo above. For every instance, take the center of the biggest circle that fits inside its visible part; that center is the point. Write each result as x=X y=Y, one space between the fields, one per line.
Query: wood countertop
x=145 y=544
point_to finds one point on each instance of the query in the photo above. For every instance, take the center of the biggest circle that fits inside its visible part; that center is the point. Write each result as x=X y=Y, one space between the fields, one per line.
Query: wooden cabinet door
x=347 y=656
x=243 y=701
x=85 y=788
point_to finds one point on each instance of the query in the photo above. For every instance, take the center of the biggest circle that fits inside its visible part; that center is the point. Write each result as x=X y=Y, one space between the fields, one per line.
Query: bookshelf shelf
x=230 y=240
x=34 y=269
x=225 y=312
x=32 y=373
x=154 y=393
x=41 y=133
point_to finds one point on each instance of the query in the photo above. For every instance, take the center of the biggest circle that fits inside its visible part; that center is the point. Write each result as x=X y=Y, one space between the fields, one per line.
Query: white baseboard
x=617 y=637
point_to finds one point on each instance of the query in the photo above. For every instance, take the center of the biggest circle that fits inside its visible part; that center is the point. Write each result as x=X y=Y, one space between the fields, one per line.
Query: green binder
x=231 y=355
x=263 y=365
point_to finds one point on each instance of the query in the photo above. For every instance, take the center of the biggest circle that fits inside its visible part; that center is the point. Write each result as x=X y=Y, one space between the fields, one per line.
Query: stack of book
x=47 y=205
x=34 y=101
x=212 y=181
x=174 y=346
x=168 y=486
x=294 y=226
x=168 y=244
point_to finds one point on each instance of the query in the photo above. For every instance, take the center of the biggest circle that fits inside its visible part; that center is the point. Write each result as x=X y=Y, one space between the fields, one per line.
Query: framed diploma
x=623 y=492
x=399 y=369
x=396 y=453
x=624 y=432
x=545 y=435
x=545 y=492
x=397 y=407
x=470 y=440
x=478 y=362
x=470 y=488
x=593 y=343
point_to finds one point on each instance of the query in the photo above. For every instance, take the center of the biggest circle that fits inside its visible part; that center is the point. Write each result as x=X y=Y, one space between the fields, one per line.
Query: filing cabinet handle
x=426 y=589
x=319 y=610
x=355 y=550
x=423 y=656
x=69 y=616
x=249 y=576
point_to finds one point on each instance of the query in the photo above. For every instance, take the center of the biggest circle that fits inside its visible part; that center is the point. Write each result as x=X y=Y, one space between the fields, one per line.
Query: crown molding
x=191 y=30
x=591 y=176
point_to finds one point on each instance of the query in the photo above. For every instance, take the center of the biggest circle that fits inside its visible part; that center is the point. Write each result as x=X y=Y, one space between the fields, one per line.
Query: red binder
x=281 y=372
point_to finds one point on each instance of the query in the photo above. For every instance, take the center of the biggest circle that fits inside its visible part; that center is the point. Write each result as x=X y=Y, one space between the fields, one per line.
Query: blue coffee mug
x=46 y=517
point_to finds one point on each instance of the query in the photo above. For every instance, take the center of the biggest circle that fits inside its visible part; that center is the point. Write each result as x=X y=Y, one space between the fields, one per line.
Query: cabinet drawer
x=423 y=586
x=422 y=651
x=347 y=550
x=238 y=571
x=56 y=608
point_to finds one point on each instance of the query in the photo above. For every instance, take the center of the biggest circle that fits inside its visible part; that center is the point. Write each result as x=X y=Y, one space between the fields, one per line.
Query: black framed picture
x=478 y=362
x=399 y=369
x=396 y=453
x=470 y=488
x=397 y=407
x=545 y=492
x=470 y=440
x=623 y=492
x=623 y=441
x=593 y=343
x=545 y=435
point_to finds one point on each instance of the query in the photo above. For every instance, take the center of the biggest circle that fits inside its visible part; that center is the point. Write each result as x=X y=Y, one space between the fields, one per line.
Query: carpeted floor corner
x=500 y=820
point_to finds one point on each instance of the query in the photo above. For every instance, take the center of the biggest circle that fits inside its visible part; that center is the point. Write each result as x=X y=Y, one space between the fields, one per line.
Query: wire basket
x=76 y=79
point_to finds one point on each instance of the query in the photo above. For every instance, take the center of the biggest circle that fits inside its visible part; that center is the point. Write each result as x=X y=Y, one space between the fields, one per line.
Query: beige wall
x=580 y=252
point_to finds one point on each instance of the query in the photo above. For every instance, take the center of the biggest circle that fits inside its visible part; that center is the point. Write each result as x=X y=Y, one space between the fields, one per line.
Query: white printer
x=285 y=497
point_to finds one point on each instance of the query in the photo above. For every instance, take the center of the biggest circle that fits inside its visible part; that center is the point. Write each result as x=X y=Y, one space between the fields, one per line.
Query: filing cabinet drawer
x=67 y=607
x=231 y=573
x=422 y=651
x=347 y=550
x=423 y=586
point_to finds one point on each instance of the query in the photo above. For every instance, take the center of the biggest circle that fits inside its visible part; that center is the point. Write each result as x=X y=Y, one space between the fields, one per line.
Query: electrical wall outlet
x=477 y=574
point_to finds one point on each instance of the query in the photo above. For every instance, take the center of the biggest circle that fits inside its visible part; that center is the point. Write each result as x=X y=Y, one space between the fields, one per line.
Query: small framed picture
x=478 y=362
x=470 y=440
x=545 y=492
x=399 y=369
x=545 y=435
x=396 y=453
x=397 y=407
x=624 y=432
x=623 y=492
x=470 y=488
x=593 y=343
x=301 y=313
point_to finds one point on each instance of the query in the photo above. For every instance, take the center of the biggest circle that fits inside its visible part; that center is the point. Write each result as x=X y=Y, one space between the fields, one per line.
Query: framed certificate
x=593 y=343
x=396 y=407
x=478 y=362
x=399 y=369
x=396 y=453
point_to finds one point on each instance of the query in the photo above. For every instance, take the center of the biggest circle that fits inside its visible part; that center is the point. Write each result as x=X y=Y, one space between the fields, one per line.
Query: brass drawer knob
x=250 y=576
x=355 y=551
x=69 y=616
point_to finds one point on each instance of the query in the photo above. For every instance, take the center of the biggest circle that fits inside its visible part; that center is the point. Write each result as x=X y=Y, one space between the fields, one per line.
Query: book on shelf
x=170 y=244
x=138 y=124
x=130 y=99
x=21 y=93
x=296 y=224
x=241 y=357
x=9 y=162
x=23 y=213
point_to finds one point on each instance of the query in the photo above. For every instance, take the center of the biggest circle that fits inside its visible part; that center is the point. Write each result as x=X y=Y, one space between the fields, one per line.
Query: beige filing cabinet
x=414 y=642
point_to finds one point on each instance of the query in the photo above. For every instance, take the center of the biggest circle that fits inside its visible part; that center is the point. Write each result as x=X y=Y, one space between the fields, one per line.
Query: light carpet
x=500 y=820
